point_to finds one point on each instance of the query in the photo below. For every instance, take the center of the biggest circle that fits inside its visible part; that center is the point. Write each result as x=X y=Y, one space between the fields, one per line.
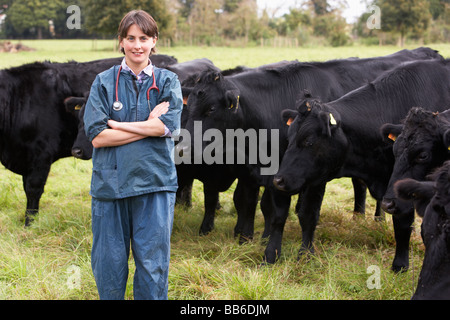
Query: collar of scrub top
x=147 y=71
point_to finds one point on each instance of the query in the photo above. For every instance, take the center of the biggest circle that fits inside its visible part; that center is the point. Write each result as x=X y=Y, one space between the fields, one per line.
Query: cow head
x=432 y=202
x=215 y=103
x=82 y=148
x=317 y=146
x=420 y=146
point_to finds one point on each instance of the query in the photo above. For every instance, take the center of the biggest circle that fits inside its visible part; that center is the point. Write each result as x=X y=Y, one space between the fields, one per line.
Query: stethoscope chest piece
x=117 y=105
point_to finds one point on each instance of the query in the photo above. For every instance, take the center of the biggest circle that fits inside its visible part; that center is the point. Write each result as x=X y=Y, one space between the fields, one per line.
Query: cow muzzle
x=77 y=153
x=389 y=206
x=279 y=183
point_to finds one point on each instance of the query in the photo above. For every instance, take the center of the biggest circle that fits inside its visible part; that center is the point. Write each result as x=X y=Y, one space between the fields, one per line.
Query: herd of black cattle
x=380 y=121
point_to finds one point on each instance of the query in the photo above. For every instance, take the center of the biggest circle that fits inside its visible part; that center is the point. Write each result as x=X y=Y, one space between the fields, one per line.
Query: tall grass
x=51 y=259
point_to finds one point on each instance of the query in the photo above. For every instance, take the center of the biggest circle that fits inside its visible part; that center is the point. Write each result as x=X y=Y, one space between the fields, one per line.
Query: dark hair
x=143 y=20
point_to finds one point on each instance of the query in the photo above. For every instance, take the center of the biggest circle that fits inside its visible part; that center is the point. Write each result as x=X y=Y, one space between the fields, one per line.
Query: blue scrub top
x=139 y=167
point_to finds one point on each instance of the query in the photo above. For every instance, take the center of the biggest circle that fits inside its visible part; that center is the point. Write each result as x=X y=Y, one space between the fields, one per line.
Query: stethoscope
x=117 y=105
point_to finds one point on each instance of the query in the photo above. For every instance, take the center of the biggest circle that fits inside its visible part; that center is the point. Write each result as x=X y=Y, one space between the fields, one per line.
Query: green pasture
x=51 y=259
x=223 y=57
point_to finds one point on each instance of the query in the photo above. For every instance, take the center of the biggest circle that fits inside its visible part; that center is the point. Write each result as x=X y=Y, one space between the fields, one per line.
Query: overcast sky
x=354 y=10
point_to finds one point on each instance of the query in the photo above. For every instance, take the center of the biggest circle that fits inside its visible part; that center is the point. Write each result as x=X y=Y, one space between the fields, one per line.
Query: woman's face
x=137 y=46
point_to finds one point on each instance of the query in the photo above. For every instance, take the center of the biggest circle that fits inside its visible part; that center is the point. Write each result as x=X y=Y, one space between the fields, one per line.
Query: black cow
x=254 y=100
x=188 y=69
x=341 y=138
x=421 y=145
x=162 y=60
x=35 y=129
x=219 y=178
x=432 y=201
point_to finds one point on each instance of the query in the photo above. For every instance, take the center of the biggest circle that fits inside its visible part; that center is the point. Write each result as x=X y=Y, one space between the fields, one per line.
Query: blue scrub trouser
x=145 y=221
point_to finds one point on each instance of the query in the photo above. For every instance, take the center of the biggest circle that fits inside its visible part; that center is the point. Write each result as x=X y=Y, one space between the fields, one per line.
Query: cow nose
x=77 y=153
x=279 y=183
x=388 y=205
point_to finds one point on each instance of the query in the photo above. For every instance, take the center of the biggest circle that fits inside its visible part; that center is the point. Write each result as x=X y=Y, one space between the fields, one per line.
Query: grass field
x=51 y=259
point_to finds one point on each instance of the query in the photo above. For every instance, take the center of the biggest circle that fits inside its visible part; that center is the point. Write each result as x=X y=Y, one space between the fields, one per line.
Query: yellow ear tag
x=291 y=120
x=332 y=120
x=392 y=136
x=237 y=105
x=77 y=107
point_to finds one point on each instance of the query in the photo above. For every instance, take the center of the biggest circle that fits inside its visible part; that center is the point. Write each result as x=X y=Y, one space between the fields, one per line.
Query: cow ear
x=232 y=97
x=410 y=189
x=446 y=138
x=288 y=116
x=186 y=91
x=328 y=122
x=73 y=104
x=390 y=132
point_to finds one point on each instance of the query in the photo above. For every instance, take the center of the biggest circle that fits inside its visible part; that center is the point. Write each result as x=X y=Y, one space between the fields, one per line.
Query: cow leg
x=360 y=192
x=402 y=230
x=267 y=211
x=281 y=204
x=308 y=215
x=379 y=213
x=184 y=193
x=245 y=200
x=33 y=184
x=211 y=199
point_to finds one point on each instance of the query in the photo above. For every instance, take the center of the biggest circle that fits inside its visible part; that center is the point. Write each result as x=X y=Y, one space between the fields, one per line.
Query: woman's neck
x=137 y=68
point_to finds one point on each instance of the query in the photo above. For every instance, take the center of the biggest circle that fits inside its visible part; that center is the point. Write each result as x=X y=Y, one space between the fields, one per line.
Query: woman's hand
x=160 y=109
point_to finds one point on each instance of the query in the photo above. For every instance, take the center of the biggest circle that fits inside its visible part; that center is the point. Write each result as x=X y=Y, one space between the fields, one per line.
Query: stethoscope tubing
x=154 y=86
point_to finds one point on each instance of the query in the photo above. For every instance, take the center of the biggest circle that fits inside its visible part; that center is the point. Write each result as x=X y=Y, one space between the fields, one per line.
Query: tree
x=320 y=7
x=403 y=16
x=24 y=15
x=231 y=5
x=186 y=7
x=60 y=22
x=103 y=16
x=242 y=20
x=295 y=18
x=437 y=8
x=204 y=21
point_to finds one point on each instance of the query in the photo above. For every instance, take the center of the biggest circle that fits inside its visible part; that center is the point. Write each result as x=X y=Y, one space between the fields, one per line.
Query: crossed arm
x=125 y=132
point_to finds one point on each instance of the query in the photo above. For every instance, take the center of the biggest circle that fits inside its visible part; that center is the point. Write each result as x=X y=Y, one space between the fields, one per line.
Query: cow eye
x=210 y=110
x=308 y=143
x=422 y=157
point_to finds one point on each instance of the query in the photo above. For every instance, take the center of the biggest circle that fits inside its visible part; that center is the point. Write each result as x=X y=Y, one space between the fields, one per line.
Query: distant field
x=85 y=50
x=40 y=262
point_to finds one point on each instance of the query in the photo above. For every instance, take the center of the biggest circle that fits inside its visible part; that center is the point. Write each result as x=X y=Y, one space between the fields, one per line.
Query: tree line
x=232 y=22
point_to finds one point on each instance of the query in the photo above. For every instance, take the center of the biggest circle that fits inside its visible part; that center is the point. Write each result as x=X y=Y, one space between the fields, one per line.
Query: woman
x=131 y=113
